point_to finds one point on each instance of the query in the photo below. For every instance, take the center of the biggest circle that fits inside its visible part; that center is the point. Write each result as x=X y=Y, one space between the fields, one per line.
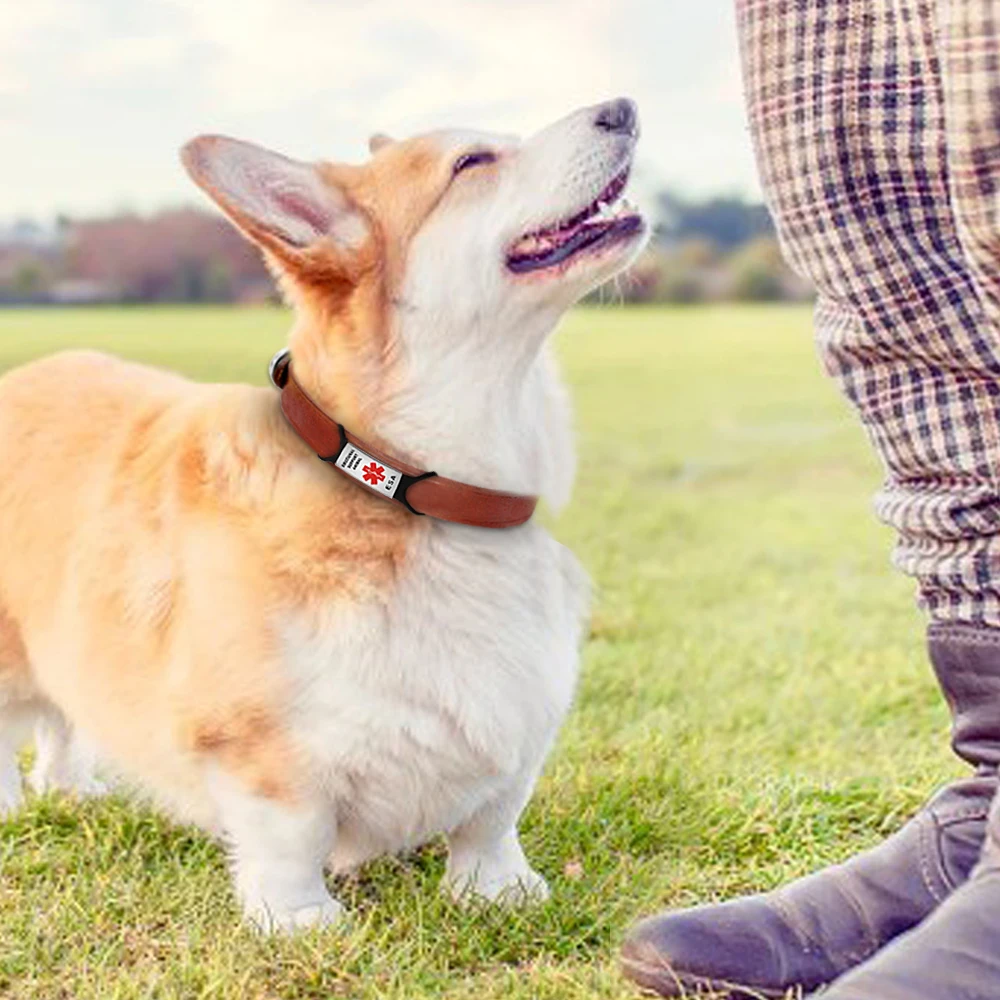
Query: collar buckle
x=277 y=370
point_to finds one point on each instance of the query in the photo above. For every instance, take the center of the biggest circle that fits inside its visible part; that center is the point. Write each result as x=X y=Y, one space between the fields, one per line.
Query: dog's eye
x=473 y=160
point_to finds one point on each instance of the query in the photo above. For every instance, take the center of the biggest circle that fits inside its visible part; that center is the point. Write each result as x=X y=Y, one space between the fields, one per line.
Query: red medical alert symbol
x=373 y=474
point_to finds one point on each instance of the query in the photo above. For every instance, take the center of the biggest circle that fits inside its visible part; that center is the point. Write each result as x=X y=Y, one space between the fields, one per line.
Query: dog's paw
x=520 y=888
x=91 y=788
x=11 y=799
x=289 y=920
x=83 y=786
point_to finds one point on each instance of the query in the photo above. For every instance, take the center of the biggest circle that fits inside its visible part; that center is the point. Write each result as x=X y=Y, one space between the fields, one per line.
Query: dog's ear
x=286 y=206
x=379 y=141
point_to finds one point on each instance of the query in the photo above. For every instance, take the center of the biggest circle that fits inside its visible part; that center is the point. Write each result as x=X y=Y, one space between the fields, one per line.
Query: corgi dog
x=312 y=673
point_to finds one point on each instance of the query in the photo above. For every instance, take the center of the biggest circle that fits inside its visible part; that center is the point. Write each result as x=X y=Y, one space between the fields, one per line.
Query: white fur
x=277 y=856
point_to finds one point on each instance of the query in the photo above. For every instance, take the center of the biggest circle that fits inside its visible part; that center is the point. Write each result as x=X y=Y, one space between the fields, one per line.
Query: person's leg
x=954 y=953
x=809 y=932
x=853 y=128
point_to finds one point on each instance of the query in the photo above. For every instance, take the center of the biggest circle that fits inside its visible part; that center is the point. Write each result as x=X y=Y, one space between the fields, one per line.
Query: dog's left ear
x=285 y=206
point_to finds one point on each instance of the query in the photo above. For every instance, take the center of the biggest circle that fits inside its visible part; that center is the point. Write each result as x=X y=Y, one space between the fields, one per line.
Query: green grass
x=754 y=701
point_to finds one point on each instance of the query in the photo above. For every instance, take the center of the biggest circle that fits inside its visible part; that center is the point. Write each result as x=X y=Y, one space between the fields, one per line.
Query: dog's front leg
x=64 y=761
x=485 y=858
x=278 y=852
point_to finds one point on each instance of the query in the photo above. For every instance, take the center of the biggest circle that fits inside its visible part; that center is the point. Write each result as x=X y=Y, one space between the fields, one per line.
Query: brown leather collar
x=420 y=492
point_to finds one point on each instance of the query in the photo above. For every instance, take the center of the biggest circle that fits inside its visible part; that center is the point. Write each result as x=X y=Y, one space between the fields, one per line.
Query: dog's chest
x=417 y=711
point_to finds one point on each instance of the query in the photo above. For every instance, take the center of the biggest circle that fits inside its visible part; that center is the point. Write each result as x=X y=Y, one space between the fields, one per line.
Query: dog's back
x=151 y=526
x=79 y=445
x=62 y=421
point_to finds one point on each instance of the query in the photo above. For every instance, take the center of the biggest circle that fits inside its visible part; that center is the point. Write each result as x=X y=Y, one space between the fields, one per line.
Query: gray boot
x=953 y=955
x=812 y=931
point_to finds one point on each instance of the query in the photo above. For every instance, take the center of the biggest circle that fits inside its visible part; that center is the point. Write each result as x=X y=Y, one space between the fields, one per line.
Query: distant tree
x=180 y=255
x=697 y=252
x=757 y=271
x=680 y=286
x=717 y=248
x=29 y=280
x=728 y=222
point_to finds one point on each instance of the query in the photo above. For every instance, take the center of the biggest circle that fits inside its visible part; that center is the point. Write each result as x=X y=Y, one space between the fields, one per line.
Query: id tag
x=377 y=476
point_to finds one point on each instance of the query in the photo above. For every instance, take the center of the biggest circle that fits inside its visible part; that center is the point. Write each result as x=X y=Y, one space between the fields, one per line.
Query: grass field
x=754 y=702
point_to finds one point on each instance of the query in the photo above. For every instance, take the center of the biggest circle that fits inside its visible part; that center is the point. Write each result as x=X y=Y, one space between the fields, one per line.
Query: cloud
x=24 y=29
x=116 y=58
x=268 y=53
x=95 y=97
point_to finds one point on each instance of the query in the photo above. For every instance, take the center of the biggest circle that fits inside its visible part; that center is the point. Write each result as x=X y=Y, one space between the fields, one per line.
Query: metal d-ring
x=277 y=370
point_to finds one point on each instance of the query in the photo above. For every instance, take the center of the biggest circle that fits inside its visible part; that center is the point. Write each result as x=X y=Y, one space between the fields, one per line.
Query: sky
x=96 y=96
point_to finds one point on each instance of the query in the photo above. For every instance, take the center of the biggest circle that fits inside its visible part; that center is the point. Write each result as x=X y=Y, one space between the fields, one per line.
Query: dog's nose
x=619 y=117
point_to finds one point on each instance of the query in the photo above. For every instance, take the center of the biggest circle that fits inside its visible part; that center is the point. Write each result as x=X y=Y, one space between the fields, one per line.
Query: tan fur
x=396 y=191
x=152 y=526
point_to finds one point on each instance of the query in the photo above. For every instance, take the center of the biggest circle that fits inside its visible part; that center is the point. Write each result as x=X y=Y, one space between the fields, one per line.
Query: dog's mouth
x=606 y=221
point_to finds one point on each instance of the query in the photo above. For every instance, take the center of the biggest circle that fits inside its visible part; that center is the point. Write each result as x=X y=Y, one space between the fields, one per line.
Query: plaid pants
x=876 y=125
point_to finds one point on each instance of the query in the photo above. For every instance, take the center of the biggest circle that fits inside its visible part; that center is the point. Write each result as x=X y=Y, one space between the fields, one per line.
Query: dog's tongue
x=545 y=240
x=557 y=242
x=546 y=250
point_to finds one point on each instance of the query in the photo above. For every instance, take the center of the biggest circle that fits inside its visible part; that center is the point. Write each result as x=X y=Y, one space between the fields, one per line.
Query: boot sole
x=665 y=981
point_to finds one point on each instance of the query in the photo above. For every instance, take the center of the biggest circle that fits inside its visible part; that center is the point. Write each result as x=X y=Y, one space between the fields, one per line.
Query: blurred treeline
x=718 y=249
x=714 y=249
x=183 y=255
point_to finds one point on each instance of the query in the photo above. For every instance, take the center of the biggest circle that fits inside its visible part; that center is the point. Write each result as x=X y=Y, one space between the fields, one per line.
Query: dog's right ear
x=285 y=206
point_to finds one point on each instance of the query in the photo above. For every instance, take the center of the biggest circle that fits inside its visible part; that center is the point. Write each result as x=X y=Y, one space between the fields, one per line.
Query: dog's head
x=468 y=228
